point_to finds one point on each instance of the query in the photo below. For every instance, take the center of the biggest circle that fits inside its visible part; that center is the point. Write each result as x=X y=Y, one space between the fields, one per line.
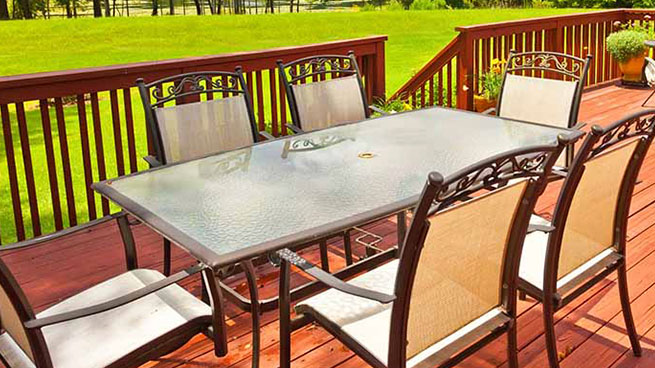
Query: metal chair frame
x=640 y=126
x=532 y=163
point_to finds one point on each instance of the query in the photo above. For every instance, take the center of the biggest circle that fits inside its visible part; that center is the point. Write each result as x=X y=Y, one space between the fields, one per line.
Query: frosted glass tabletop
x=242 y=203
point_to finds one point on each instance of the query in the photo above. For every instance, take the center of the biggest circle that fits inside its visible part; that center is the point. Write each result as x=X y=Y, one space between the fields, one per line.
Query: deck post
x=464 y=72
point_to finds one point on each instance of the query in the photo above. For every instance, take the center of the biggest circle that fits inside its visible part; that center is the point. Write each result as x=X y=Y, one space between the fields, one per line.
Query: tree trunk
x=171 y=7
x=4 y=10
x=107 y=9
x=211 y=7
x=69 y=13
x=25 y=8
x=198 y=8
x=155 y=7
x=97 y=9
x=290 y=6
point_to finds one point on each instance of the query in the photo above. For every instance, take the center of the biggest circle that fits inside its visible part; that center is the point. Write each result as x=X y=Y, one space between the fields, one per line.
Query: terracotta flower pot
x=481 y=103
x=632 y=68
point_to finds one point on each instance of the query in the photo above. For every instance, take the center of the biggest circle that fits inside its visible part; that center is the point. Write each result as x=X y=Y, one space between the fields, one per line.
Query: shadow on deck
x=590 y=330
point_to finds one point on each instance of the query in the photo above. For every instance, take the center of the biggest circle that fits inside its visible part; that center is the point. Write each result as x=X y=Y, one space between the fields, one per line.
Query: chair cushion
x=341 y=308
x=372 y=333
x=105 y=337
x=533 y=260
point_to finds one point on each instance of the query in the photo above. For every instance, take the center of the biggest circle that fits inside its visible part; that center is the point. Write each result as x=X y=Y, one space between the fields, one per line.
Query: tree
x=4 y=10
x=171 y=7
x=154 y=7
x=97 y=9
x=25 y=8
x=107 y=9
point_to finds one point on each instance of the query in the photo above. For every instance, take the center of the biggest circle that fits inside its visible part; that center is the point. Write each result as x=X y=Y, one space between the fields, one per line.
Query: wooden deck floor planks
x=590 y=330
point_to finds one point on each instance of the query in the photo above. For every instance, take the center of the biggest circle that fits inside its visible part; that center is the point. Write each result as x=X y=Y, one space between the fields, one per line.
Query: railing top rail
x=554 y=19
x=23 y=80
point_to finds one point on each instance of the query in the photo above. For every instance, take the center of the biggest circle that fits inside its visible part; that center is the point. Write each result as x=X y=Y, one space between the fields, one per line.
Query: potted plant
x=628 y=49
x=491 y=82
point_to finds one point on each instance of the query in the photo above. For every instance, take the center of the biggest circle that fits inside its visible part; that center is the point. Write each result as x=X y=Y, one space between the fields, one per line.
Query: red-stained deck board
x=591 y=327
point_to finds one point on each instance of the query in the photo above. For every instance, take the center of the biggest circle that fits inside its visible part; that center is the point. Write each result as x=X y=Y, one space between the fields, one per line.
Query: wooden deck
x=590 y=330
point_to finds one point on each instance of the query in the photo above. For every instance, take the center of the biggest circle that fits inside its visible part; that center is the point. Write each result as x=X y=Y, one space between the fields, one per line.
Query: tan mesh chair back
x=543 y=87
x=197 y=129
x=460 y=272
x=14 y=311
x=538 y=100
x=324 y=91
x=328 y=103
x=197 y=114
x=590 y=224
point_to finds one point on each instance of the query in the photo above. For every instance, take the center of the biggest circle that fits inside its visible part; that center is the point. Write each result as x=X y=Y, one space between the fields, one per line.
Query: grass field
x=48 y=45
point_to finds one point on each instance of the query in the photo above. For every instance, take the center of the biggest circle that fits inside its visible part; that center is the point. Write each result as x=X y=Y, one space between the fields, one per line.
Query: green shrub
x=428 y=5
x=395 y=5
x=626 y=44
x=542 y=4
x=367 y=7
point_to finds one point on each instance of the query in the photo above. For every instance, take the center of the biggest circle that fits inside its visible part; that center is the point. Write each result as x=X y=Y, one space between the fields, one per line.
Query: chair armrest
x=331 y=281
x=559 y=172
x=539 y=227
x=295 y=128
x=579 y=126
x=378 y=110
x=489 y=111
x=152 y=161
x=114 y=303
x=56 y=235
x=268 y=136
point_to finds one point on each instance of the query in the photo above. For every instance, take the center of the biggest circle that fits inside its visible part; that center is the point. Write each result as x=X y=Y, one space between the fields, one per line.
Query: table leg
x=218 y=308
x=285 y=315
x=131 y=258
x=255 y=310
x=402 y=227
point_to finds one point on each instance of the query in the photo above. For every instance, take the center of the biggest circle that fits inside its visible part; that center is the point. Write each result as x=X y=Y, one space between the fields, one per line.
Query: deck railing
x=451 y=78
x=61 y=131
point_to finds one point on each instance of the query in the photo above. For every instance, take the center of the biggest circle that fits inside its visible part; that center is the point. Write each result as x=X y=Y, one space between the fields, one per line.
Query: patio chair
x=544 y=87
x=587 y=239
x=649 y=75
x=324 y=91
x=184 y=126
x=137 y=316
x=453 y=289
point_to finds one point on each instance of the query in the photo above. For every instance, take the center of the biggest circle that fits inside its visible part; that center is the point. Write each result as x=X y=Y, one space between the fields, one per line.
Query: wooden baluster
x=12 y=174
x=260 y=101
x=283 y=109
x=29 y=171
x=272 y=73
x=118 y=136
x=100 y=151
x=86 y=156
x=52 y=166
x=440 y=87
x=129 y=126
x=65 y=161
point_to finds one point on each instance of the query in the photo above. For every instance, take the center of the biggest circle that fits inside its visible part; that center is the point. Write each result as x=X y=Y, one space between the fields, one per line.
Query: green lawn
x=414 y=36
x=48 y=45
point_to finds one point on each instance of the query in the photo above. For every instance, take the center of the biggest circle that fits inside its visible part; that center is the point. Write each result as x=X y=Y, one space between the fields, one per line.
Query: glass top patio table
x=240 y=204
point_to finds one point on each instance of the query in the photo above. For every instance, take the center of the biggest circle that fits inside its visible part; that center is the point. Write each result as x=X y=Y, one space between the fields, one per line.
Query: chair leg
x=522 y=295
x=549 y=331
x=325 y=262
x=627 y=310
x=647 y=99
x=347 y=248
x=249 y=270
x=512 y=346
x=167 y=257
